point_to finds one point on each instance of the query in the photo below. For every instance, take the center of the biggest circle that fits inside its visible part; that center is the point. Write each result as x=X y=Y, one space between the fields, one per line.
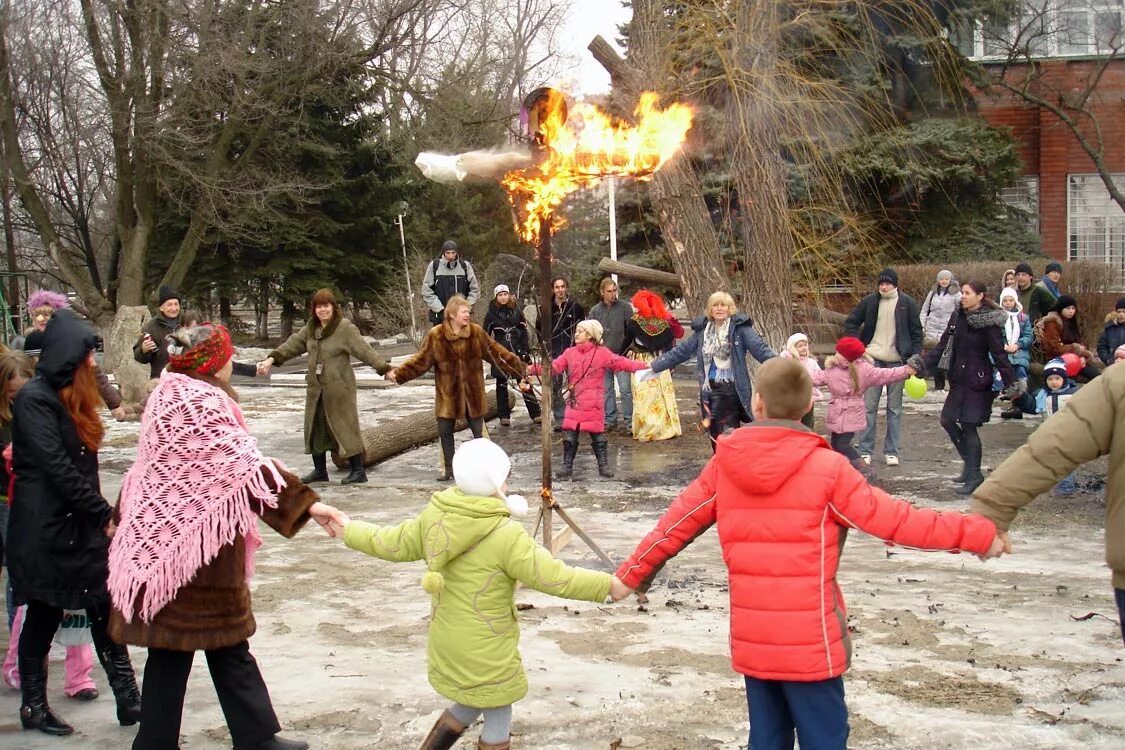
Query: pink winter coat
x=846 y=410
x=585 y=366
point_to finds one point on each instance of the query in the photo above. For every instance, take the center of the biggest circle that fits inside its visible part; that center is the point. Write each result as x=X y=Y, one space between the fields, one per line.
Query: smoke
x=488 y=164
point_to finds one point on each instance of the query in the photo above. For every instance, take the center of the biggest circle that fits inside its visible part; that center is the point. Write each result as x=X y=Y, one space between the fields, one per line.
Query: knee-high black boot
x=356 y=474
x=601 y=453
x=570 y=450
x=119 y=670
x=35 y=713
x=320 y=469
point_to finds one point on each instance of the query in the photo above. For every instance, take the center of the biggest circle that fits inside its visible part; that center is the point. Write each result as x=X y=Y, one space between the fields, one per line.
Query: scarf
x=189 y=493
x=1012 y=327
x=716 y=349
x=651 y=326
x=982 y=317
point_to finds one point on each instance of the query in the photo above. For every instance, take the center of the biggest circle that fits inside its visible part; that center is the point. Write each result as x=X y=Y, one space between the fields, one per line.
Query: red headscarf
x=208 y=356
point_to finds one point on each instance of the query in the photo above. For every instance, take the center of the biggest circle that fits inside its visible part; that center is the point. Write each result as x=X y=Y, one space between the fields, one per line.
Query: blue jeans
x=871 y=399
x=1067 y=486
x=625 y=388
x=1119 y=595
x=813 y=712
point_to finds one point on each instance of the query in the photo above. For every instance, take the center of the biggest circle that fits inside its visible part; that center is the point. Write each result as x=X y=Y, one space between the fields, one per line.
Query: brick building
x=1056 y=49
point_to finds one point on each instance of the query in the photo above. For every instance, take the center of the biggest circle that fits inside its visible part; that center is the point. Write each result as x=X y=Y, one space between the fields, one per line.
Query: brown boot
x=505 y=745
x=447 y=730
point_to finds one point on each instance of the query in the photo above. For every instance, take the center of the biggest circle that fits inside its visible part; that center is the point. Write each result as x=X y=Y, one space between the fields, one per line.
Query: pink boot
x=79 y=663
x=11 y=659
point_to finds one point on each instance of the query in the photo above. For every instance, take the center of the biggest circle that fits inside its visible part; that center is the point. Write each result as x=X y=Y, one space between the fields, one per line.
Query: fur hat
x=889 y=275
x=593 y=328
x=1055 y=367
x=1063 y=302
x=1024 y=268
x=500 y=288
x=166 y=293
x=850 y=348
x=47 y=298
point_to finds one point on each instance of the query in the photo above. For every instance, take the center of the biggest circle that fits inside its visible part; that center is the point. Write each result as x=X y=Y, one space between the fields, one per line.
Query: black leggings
x=445 y=429
x=724 y=410
x=966 y=440
x=842 y=444
x=42 y=620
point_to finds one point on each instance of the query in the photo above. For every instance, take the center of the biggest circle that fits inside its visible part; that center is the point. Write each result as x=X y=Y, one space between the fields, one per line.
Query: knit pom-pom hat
x=47 y=298
x=850 y=348
x=1055 y=367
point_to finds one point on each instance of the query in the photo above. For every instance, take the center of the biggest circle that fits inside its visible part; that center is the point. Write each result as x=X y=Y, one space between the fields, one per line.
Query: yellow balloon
x=915 y=387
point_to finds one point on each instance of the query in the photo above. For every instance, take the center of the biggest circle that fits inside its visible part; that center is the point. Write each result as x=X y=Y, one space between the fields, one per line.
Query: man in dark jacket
x=566 y=313
x=1035 y=299
x=445 y=277
x=889 y=324
x=1113 y=335
x=150 y=348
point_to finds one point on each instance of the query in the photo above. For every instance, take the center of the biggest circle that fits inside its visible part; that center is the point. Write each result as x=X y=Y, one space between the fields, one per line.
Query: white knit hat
x=792 y=340
x=593 y=328
x=480 y=467
x=501 y=288
x=1009 y=292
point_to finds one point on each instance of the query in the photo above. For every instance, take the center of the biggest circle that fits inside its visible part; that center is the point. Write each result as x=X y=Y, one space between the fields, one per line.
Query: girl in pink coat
x=797 y=347
x=585 y=365
x=848 y=374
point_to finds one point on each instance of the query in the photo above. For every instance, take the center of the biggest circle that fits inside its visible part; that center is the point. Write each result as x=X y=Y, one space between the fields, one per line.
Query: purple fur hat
x=47 y=298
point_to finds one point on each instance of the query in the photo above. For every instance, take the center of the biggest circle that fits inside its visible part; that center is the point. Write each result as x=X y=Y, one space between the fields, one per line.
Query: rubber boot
x=960 y=478
x=973 y=477
x=505 y=745
x=35 y=713
x=122 y=680
x=357 y=475
x=601 y=452
x=320 y=469
x=445 y=733
x=570 y=450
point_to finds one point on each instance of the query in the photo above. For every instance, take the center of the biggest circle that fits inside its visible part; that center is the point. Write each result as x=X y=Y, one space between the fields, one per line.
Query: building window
x=1024 y=196
x=1046 y=28
x=1095 y=224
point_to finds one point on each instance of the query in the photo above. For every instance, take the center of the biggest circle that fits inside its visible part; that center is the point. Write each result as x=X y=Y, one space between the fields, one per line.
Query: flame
x=587 y=146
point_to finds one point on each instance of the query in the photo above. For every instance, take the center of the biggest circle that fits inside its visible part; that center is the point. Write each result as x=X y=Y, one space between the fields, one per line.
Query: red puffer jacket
x=783 y=518
x=585 y=366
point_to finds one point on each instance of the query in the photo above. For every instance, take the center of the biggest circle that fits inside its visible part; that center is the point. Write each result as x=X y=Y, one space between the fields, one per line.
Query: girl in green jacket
x=474 y=553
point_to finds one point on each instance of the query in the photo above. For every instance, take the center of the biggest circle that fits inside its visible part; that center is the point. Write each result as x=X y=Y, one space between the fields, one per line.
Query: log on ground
x=389 y=439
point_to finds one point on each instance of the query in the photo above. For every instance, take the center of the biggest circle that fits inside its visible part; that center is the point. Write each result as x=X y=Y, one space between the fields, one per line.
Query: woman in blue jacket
x=720 y=341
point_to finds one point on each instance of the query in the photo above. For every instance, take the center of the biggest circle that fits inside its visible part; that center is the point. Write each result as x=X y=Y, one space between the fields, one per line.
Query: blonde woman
x=720 y=341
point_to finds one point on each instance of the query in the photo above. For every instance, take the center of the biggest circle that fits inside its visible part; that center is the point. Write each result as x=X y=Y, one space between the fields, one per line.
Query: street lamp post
x=402 y=208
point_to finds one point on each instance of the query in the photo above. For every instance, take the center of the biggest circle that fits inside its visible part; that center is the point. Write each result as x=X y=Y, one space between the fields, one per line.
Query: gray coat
x=937 y=309
x=613 y=321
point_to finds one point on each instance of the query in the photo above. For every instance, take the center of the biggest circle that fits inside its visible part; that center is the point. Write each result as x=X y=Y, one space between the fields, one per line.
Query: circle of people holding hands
x=167 y=566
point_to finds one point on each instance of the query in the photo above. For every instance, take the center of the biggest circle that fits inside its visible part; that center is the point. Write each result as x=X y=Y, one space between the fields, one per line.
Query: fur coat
x=458 y=361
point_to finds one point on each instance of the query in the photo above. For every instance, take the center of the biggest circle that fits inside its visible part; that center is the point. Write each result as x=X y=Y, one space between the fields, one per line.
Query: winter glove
x=918 y=364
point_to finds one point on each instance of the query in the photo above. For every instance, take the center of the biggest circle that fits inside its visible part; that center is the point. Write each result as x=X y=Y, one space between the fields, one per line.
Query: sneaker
x=892 y=460
x=866 y=458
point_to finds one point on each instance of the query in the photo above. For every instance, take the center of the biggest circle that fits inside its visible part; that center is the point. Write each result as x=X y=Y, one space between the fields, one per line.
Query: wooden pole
x=546 y=306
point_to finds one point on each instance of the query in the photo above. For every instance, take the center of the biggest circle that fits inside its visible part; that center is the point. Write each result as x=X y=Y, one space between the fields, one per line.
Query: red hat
x=850 y=348
x=207 y=356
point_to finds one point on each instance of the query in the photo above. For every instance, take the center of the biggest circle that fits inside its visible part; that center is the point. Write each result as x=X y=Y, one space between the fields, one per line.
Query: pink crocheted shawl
x=189 y=493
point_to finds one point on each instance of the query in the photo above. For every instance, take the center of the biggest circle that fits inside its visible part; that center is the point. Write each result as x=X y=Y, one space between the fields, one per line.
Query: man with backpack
x=445 y=277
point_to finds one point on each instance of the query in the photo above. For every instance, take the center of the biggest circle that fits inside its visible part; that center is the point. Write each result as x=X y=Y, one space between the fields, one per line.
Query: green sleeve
x=294 y=346
x=362 y=351
x=533 y=566
x=402 y=543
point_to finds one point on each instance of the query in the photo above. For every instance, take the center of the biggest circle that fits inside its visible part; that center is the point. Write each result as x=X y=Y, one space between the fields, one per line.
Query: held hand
x=645 y=374
x=1001 y=545
x=1011 y=348
x=525 y=386
x=390 y=375
x=119 y=413
x=911 y=370
x=110 y=529
x=265 y=365
x=331 y=519
x=618 y=590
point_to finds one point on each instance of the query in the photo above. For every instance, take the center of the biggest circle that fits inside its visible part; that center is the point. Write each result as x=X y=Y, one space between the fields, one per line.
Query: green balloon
x=915 y=387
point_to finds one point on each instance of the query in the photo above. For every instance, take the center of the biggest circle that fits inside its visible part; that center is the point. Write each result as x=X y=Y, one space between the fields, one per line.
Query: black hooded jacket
x=57 y=546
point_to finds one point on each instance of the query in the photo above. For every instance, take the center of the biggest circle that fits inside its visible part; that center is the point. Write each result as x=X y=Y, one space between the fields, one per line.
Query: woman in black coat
x=59 y=524
x=973 y=340
x=507 y=326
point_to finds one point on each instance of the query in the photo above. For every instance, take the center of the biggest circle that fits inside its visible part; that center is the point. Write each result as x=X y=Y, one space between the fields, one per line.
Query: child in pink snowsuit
x=848 y=373
x=585 y=365
x=797 y=347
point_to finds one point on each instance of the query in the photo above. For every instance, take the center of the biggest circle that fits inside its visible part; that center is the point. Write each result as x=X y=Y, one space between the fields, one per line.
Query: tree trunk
x=10 y=252
x=224 y=310
x=132 y=377
x=389 y=439
x=639 y=273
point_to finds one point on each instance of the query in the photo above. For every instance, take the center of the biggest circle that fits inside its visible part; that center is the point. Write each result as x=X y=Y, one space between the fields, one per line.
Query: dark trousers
x=504 y=403
x=42 y=620
x=966 y=440
x=558 y=398
x=1119 y=595
x=842 y=444
x=242 y=695
x=724 y=410
x=813 y=712
x=445 y=429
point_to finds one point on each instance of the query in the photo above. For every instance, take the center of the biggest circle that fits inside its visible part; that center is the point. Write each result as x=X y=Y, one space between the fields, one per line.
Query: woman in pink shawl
x=184 y=547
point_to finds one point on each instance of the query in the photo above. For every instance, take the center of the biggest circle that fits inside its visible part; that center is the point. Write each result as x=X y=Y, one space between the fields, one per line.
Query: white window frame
x=1024 y=195
x=1095 y=224
x=1056 y=41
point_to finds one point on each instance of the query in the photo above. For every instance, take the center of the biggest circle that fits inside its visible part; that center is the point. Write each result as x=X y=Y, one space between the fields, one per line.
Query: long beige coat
x=1092 y=424
x=333 y=346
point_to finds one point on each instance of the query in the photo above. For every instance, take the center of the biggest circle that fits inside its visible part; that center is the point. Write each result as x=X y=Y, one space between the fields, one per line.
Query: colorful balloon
x=915 y=387
x=1073 y=363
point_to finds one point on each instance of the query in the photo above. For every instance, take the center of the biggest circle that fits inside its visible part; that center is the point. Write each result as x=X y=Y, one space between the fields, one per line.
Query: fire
x=588 y=145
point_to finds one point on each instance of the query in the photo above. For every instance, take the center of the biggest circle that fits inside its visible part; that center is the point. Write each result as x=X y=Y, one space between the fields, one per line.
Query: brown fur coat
x=1049 y=337
x=213 y=610
x=458 y=363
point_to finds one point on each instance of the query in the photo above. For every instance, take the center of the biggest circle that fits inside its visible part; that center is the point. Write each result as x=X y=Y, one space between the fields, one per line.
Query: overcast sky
x=588 y=19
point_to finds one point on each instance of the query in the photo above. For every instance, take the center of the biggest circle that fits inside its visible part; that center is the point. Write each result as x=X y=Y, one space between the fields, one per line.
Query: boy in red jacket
x=782 y=521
